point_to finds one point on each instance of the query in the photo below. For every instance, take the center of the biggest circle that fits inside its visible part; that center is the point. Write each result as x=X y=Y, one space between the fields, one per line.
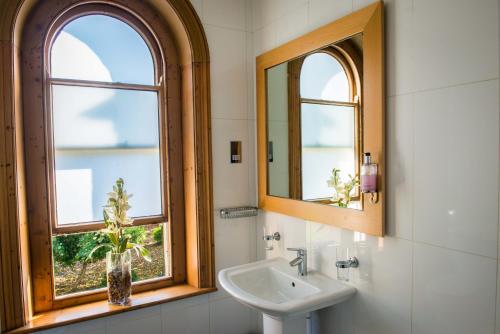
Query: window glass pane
x=324 y=147
x=100 y=135
x=73 y=272
x=322 y=77
x=101 y=48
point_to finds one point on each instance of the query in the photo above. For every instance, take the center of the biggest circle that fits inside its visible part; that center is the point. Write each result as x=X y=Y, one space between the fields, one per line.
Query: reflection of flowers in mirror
x=343 y=190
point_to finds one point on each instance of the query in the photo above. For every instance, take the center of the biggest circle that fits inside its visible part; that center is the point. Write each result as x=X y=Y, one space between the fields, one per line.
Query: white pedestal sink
x=275 y=289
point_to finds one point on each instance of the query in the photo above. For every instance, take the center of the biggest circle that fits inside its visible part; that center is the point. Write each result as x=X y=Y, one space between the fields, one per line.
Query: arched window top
x=98 y=47
x=323 y=77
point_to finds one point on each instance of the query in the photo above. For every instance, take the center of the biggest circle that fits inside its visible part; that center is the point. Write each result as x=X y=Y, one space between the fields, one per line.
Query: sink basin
x=276 y=289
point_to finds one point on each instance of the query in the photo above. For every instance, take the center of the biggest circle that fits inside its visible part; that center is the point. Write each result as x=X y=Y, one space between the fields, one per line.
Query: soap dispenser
x=368 y=174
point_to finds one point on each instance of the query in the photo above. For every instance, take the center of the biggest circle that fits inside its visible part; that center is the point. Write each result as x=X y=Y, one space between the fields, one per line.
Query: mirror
x=313 y=113
x=320 y=110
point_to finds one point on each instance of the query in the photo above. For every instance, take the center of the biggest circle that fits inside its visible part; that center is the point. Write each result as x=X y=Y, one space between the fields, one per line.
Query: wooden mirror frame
x=368 y=22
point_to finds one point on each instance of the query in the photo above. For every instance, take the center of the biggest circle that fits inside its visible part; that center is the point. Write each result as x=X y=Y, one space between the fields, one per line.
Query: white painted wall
x=436 y=271
x=229 y=35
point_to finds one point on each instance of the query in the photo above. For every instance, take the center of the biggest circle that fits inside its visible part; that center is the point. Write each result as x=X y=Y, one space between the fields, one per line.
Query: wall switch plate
x=235 y=157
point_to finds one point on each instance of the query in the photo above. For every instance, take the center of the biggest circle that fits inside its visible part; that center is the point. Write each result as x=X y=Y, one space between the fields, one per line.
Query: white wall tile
x=292 y=25
x=359 y=4
x=399 y=47
x=455 y=41
x=337 y=319
x=225 y=13
x=227 y=316
x=144 y=321
x=453 y=292
x=190 y=316
x=228 y=67
x=233 y=241
x=295 y=325
x=383 y=302
x=265 y=39
x=252 y=165
x=261 y=15
x=198 y=6
x=266 y=11
x=292 y=231
x=234 y=245
x=322 y=243
x=456 y=167
x=183 y=303
x=400 y=151
x=97 y=326
x=251 y=65
x=322 y=12
x=230 y=180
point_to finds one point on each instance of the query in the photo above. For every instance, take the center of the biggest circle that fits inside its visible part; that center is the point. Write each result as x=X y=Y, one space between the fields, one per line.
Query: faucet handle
x=299 y=251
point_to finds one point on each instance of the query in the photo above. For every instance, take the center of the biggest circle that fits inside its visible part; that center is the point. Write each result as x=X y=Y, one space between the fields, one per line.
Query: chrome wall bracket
x=351 y=263
x=238 y=212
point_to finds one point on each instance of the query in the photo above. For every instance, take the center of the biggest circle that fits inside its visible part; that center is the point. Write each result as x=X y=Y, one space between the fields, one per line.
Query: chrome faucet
x=300 y=261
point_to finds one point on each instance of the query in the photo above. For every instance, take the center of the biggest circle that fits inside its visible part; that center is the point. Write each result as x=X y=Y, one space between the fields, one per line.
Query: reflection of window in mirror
x=324 y=98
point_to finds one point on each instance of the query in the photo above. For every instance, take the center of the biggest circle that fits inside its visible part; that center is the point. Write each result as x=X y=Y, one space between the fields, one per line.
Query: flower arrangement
x=342 y=189
x=118 y=259
x=116 y=220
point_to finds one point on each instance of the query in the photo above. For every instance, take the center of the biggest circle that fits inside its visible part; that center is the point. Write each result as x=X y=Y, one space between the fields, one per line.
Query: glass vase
x=119 y=277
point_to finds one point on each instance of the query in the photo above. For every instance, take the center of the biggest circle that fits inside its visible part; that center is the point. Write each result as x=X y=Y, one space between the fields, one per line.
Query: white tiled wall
x=436 y=271
x=228 y=30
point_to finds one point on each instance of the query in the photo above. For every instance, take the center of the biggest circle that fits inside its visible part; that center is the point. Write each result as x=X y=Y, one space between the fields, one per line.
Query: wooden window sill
x=99 y=309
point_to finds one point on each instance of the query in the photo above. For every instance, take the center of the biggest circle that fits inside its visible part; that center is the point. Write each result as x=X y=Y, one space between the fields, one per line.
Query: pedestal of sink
x=271 y=325
x=306 y=323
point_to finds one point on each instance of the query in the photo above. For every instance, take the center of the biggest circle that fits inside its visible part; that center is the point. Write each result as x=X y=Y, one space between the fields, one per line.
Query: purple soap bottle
x=368 y=174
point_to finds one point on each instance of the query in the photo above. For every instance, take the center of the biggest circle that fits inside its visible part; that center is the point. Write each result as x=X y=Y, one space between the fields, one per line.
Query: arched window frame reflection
x=347 y=55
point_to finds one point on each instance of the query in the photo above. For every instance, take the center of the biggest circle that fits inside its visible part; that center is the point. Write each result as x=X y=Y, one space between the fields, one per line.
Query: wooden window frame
x=170 y=19
x=40 y=177
x=159 y=87
x=350 y=60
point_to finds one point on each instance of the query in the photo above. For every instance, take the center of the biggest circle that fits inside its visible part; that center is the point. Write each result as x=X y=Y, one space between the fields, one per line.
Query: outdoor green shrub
x=158 y=234
x=88 y=242
x=69 y=249
x=65 y=248
x=103 y=280
x=135 y=277
x=137 y=234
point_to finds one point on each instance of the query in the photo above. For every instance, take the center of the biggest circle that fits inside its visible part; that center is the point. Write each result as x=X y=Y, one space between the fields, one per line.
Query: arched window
x=138 y=90
x=104 y=93
x=323 y=78
x=329 y=94
x=109 y=89
x=104 y=113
